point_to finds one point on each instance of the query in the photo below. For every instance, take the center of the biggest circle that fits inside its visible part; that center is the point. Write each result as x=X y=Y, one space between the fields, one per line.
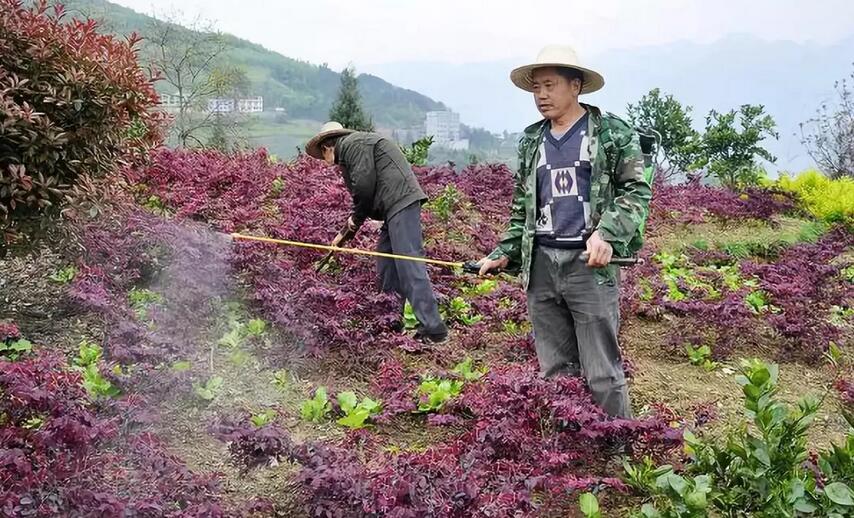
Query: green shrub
x=84 y=109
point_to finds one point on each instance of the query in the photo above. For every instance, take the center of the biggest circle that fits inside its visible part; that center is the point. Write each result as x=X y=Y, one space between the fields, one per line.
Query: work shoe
x=430 y=338
x=398 y=327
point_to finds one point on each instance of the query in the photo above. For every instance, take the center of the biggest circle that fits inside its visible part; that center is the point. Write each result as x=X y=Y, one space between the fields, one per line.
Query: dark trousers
x=401 y=235
x=576 y=322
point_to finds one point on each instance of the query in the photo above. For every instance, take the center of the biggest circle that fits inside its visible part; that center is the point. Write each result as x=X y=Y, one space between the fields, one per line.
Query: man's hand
x=599 y=250
x=351 y=224
x=338 y=240
x=487 y=264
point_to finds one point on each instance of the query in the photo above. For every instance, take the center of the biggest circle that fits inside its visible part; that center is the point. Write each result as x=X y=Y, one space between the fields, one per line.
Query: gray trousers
x=401 y=235
x=576 y=322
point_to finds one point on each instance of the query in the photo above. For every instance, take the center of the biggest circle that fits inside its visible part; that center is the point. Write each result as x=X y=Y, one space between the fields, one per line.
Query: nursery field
x=154 y=367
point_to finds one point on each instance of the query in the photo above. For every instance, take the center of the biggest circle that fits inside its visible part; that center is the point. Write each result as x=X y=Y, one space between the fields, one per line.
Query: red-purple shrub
x=48 y=439
x=252 y=445
x=845 y=388
x=805 y=284
x=693 y=202
x=84 y=109
x=801 y=287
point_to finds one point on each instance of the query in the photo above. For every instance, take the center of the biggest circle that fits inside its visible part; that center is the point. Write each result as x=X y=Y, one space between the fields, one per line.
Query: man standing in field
x=384 y=188
x=580 y=187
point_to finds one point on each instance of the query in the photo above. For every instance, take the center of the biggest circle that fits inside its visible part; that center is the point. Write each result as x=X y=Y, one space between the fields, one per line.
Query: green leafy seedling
x=264 y=418
x=758 y=302
x=89 y=354
x=281 y=379
x=465 y=370
x=233 y=338
x=484 y=287
x=256 y=327
x=701 y=357
x=356 y=414
x=410 y=321
x=277 y=186
x=460 y=310
x=589 y=505
x=347 y=401
x=142 y=299
x=210 y=389
x=64 y=275
x=181 y=366
x=96 y=384
x=14 y=350
x=315 y=409
x=434 y=393
x=34 y=423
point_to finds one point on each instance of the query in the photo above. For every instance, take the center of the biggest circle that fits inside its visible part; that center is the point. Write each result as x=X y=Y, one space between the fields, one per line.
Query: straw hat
x=330 y=129
x=557 y=56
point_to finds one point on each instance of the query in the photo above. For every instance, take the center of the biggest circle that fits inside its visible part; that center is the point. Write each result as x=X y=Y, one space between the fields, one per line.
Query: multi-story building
x=444 y=127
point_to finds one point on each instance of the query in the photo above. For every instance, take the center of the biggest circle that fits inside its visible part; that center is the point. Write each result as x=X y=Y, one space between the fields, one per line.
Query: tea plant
x=756 y=473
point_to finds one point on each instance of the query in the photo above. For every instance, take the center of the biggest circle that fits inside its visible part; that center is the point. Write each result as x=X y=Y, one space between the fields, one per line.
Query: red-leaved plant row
x=60 y=455
x=527 y=444
x=802 y=285
x=341 y=309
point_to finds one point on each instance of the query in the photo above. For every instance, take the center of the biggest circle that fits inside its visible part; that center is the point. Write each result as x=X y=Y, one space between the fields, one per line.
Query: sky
x=369 y=32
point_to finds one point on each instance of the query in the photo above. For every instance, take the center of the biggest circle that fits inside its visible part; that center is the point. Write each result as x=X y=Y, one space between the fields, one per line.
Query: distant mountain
x=790 y=79
x=303 y=89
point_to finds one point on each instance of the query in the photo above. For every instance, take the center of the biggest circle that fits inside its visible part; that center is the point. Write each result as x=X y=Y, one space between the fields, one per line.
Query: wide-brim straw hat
x=329 y=130
x=557 y=56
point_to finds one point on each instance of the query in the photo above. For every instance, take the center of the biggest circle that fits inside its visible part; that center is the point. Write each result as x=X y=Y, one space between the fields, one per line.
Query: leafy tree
x=732 y=142
x=348 y=108
x=679 y=141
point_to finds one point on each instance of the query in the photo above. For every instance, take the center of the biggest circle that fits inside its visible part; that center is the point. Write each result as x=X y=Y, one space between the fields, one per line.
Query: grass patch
x=744 y=240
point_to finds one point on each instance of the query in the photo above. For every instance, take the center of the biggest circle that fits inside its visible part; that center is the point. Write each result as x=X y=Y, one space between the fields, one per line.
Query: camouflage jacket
x=619 y=192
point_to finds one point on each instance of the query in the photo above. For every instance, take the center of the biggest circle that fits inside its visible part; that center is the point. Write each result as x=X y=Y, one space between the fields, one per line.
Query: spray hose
x=468 y=267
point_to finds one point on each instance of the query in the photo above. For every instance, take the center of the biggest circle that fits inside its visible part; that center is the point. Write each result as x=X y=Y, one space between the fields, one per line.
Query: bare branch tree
x=829 y=136
x=187 y=59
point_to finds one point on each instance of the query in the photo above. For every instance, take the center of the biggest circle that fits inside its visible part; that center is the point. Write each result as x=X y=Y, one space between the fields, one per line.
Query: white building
x=170 y=101
x=251 y=105
x=218 y=104
x=226 y=105
x=458 y=145
x=444 y=127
